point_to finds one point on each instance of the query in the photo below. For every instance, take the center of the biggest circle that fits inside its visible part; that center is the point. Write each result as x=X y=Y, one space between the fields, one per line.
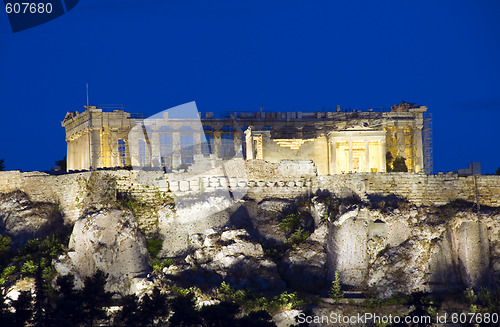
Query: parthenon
x=340 y=141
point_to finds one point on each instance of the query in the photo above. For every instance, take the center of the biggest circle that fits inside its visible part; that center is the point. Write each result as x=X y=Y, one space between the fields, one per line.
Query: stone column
x=333 y=157
x=249 y=144
x=197 y=140
x=79 y=152
x=95 y=148
x=113 y=145
x=132 y=143
x=259 y=151
x=128 y=151
x=382 y=162
x=155 y=148
x=73 y=151
x=69 y=155
x=418 y=148
x=350 y=156
x=400 y=140
x=237 y=143
x=86 y=143
x=176 y=150
x=89 y=150
x=84 y=146
x=217 y=142
x=367 y=156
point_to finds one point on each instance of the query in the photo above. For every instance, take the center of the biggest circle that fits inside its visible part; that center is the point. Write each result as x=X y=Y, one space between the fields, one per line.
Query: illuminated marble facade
x=337 y=142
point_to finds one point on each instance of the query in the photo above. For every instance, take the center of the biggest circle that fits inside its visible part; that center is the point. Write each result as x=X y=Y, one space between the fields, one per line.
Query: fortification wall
x=420 y=189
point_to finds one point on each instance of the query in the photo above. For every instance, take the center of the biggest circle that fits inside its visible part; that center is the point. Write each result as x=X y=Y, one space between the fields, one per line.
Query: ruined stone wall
x=420 y=189
x=417 y=188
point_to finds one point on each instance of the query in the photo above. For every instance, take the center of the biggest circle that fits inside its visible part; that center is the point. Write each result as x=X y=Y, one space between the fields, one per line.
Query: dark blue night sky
x=234 y=55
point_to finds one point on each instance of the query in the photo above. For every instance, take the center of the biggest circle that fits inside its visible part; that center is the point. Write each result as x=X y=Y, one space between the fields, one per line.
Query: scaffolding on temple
x=427 y=142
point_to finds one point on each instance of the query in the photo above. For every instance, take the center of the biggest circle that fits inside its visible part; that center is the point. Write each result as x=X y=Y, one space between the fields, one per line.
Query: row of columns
x=78 y=148
x=417 y=147
x=80 y=153
x=333 y=156
x=199 y=138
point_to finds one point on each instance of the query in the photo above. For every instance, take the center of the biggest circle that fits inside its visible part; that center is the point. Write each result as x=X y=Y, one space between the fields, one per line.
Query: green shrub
x=297 y=237
x=159 y=264
x=397 y=300
x=470 y=296
x=288 y=301
x=29 y=268
x=336 y=292
x=487 y=300
x=229 y=294
x=154 y=245
x=372 y=303
x=283 y=301
x=6 y=273
x=39 y=252
x=5 y=242
x=180 y=291
x=305 y=202
x=325 y=216
x=98 y=192
x=290 y=222
x=274 y=253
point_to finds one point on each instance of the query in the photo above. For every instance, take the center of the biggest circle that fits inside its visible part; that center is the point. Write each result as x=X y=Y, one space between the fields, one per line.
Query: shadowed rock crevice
x=23 y=219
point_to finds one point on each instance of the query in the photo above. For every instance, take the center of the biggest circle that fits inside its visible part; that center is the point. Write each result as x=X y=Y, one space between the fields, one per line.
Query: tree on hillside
x=62 y=164
x=154 y=307
x=388 y=161
x=399 y=165
x=67 y=299
x=221 y=315
x=94 y=298
x=5 y=244
x=498 y=171
x=41 y=305
x=6 y=316
x=185 y=313
x=23 y=308
x=2 y=164
x=130 y=314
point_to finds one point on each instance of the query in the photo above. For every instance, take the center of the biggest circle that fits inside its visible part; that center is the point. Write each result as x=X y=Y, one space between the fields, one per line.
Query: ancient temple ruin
x=337 y=142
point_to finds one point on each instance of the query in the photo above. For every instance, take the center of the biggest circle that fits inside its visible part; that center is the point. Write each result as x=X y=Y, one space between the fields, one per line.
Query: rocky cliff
x=407 y=250
x=380 y=244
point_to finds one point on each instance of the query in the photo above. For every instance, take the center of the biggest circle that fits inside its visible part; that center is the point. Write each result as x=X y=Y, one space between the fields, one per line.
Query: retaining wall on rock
x=420 y=189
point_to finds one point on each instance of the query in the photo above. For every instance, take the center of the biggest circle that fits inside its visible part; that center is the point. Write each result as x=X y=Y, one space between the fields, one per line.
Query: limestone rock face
x=232 y=256
x=111 y=242
x=22 y=219
x=194 y=216
x=305 y=267
x=412 y=250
